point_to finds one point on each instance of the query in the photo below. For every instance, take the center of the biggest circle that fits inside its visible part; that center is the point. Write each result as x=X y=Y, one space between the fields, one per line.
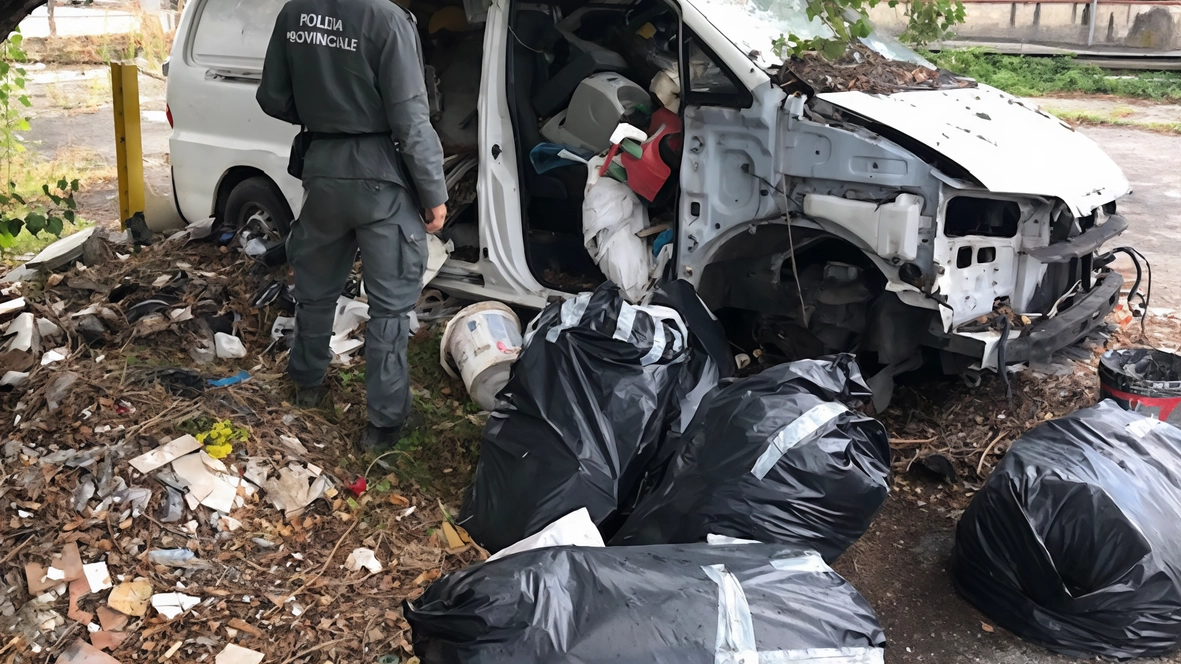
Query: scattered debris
x=295 y=488
x=234 y=654
x=210 y=482
x=81 y=652
x=165 y=454
x=131 y=597
x=62 y=252
x=171 y=605
x=228 y=346
x=863 y=69
x=363 y=558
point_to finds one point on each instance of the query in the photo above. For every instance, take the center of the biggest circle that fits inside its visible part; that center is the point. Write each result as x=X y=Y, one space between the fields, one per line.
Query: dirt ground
x=900 y=565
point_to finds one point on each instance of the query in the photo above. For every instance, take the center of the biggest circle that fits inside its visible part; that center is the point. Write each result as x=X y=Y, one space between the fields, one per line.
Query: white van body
x=958 y=199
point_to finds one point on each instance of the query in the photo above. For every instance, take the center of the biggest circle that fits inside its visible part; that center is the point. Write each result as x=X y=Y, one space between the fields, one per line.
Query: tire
x=257 y=202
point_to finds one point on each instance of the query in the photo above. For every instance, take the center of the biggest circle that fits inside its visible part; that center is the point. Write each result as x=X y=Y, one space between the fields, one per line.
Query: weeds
x=1026 y=76
x=1119 y=117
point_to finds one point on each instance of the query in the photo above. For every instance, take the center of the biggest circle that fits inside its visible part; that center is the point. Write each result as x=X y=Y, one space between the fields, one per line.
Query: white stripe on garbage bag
x=659 y=341
x=736 y=632
x=809 y=562
x=572 y=311
x=824 y=656
x=795 y=433
x=627 y=321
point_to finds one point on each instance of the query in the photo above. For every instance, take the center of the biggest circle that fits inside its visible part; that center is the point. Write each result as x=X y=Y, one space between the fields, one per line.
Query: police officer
x=350 y=72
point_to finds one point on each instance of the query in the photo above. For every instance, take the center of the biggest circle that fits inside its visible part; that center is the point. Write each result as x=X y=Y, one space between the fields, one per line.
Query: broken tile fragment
x=79 y=589
x=171 y=605
x=81 y=652
x=107 y=640
x=69 y=562
x=112 y=620
x=35 y=574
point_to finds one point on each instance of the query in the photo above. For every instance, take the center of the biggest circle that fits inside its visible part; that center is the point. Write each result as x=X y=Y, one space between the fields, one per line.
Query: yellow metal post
x=129 y=152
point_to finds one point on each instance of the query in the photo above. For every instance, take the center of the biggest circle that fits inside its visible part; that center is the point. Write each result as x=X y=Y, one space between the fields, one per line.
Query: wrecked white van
x=932 y=215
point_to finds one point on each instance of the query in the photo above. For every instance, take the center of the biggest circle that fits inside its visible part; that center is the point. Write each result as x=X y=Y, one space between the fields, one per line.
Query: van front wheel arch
x=256 y=204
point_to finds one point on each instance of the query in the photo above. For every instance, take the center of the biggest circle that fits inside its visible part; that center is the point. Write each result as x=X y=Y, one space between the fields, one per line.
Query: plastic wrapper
x=672 y=604
x=580 y=418
x=780 y=457
x=1073 y=541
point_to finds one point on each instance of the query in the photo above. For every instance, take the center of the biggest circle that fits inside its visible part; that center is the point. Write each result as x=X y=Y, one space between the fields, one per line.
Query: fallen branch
x=980 y=466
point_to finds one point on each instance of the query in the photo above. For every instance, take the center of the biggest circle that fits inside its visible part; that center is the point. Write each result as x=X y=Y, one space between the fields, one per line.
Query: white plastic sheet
x=574 y=529
x=612 y=214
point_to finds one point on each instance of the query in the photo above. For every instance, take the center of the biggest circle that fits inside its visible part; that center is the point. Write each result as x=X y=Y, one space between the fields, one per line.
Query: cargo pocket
x=414 y=250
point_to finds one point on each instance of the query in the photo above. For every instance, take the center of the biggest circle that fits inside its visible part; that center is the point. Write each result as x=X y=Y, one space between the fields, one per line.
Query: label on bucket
x=498 y=329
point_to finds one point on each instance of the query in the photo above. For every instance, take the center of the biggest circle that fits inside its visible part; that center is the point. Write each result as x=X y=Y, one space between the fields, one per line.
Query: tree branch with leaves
x=848 y=20
x=54 y=204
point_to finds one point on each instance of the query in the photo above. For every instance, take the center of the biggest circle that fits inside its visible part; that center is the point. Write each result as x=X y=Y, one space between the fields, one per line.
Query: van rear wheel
x=256 y=206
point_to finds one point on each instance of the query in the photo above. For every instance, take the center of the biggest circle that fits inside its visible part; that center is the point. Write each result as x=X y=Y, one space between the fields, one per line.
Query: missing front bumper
x=1038 y=343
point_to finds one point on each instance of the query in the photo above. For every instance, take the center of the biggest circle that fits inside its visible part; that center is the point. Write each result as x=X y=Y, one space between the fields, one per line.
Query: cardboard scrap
x=131 y=597
x=452 y=536
x=111 y=620
x=81 y=652
x=165 y=454
x=233 y=654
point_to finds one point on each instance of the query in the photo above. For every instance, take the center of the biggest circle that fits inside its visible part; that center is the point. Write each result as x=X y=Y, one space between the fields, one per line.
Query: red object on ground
x=358 y=487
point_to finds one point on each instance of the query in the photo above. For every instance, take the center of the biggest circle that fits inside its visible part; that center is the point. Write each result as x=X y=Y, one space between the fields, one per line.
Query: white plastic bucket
x=483 y=341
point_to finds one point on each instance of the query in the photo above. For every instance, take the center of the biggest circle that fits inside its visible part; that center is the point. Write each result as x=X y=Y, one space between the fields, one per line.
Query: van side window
x=232 y=34
x=708 y=81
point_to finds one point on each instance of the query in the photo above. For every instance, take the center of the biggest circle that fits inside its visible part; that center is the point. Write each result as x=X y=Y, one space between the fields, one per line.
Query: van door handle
x=244 y=75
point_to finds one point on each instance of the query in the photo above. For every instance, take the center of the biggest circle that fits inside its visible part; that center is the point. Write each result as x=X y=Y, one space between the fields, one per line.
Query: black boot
x=308 y=398
x=376 y=440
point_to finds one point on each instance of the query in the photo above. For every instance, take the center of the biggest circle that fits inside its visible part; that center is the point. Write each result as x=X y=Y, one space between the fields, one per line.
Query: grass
x=441 y=455
x=1118 y=117
x=149 y=44
x=96 y=95
x=1026 y=76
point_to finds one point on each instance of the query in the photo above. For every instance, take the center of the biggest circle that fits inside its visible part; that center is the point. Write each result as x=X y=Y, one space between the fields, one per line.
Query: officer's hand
x=434 y=218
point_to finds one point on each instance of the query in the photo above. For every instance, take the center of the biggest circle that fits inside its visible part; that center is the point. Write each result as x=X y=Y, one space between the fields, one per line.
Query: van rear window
x=233 y=34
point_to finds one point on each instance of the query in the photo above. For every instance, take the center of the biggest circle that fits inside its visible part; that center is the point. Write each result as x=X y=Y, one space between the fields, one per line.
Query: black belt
x=333 y=136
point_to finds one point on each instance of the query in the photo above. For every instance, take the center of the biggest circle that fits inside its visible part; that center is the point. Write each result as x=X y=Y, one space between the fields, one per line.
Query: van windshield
x=752 y=25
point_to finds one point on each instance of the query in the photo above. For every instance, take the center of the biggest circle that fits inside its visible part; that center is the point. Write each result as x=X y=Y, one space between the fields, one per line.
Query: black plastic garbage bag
x=673 y=604
x=580 y=418
x=1074 y=542
x=709 y=360
x=778 y=457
